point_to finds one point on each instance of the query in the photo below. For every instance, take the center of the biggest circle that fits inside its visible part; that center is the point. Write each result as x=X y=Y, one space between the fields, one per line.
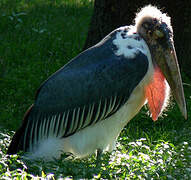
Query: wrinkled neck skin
x=155 y=55
x=154 y=50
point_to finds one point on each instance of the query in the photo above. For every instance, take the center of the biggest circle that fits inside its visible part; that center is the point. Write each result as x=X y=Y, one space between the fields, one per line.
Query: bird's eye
x=155 y=21
x=145 y=25
x=158 y=33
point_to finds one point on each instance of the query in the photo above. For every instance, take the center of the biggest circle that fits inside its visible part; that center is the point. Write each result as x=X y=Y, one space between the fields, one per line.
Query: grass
x=37 y=37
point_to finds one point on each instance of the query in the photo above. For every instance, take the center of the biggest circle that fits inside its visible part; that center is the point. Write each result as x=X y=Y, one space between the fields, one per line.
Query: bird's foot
x=98 y=157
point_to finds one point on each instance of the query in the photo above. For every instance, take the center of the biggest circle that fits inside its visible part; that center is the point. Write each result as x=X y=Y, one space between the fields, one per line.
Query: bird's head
x=155 y=28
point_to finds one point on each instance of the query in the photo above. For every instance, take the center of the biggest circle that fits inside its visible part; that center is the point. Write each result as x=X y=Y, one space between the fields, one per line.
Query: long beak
x=172 y=73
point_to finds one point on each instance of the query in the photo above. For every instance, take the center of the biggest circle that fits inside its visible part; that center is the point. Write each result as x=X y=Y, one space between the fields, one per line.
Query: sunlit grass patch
x=142 y=161
x=138 y=159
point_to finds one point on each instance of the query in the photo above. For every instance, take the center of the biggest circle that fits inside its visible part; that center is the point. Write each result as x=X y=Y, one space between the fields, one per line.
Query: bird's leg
x=98 y=157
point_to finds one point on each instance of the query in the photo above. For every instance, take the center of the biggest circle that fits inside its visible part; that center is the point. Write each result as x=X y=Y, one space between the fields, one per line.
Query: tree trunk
x=110 y=14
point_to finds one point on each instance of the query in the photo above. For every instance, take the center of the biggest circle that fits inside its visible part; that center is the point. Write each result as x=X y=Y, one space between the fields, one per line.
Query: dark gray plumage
x=94 y=78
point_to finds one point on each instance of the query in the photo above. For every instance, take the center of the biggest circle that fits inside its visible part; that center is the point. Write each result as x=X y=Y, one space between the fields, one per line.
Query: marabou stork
x=84 y=106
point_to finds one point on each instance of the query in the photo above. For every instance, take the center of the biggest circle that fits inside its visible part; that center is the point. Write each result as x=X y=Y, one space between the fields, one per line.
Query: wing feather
x=57 y=125
x=71 y=126
x=113 y=103
x=25 y=137
x=31 y=136
x=66 y=122
x=98 y=112
x=90 y=88
x=76 y=120
x=41 y=128
x=36 y=132
x=48 y=126
x=51 y=127
x=62 y=126
x=82 y=117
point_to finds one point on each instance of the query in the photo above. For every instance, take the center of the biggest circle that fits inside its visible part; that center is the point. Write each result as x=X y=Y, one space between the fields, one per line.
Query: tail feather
x=17 y=141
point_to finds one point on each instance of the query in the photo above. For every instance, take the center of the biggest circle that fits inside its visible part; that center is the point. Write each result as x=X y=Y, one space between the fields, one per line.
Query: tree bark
x=111 y=14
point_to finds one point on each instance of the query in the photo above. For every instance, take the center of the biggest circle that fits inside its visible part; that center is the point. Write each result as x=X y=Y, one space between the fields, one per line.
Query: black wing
x=90 y=88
